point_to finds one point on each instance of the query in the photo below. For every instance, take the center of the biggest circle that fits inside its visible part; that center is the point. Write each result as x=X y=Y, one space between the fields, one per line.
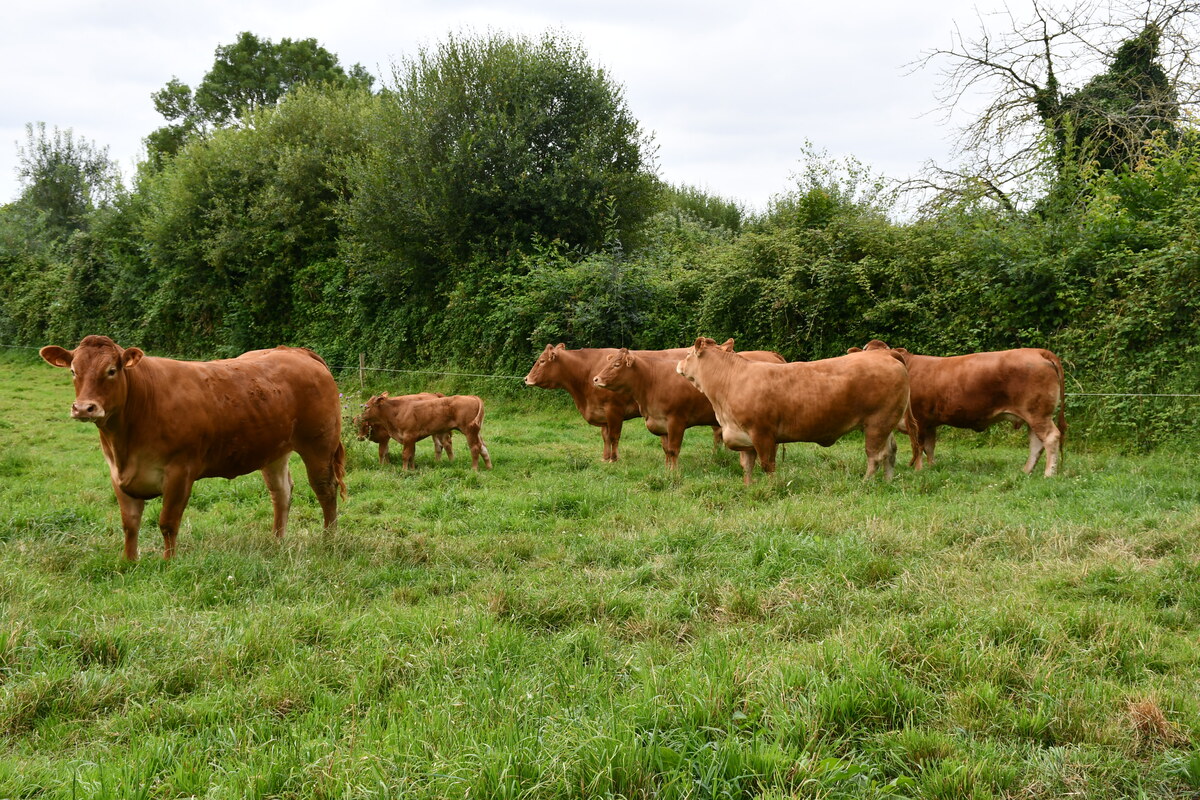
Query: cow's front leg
x=131 y=520
x=747 y=458
x=613 y=427
x=408 y=454
x=177 y=490
x=383 y=452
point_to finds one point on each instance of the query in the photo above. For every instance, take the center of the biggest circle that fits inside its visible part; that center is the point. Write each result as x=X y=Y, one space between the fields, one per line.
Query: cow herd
x=164 y=423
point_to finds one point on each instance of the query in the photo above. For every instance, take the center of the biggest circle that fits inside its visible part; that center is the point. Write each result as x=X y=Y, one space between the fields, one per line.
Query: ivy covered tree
x=248 y=74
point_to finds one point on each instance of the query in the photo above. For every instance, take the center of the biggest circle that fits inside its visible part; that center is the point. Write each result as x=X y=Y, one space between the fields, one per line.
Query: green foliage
x=247 y=75
x=486 y=145
x=239 y=223
x=63 y=178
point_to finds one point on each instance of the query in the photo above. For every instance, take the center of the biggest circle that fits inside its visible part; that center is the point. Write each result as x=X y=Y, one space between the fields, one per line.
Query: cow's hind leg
x=478 y=448
x=448 y=445
x=928 y=442
x=881 y=449
x=280 y=484
x=324 y=469
x=765 y=447
x=1047 y=436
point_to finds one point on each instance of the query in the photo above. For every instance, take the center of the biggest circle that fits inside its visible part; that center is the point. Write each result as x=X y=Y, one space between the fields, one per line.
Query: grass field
x=560 y=627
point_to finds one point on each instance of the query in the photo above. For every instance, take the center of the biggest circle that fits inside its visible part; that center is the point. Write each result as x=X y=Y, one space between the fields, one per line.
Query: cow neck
x=720 y=370
x=575 y=381
x=118 y=429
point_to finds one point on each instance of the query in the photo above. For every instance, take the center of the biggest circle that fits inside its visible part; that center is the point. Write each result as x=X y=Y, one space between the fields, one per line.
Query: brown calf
x=441 y=441
x=408 y=420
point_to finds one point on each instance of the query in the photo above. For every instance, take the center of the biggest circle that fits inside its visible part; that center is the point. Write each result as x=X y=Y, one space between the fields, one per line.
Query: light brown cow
x=572 y=370
x=669 y=402
x=165 y=424
x=441 y=441
x=408 y=420
x=761 y=405
x=975 y=391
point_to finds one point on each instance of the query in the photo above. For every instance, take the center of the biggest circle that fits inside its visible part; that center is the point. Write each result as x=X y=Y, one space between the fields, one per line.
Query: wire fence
x=361 y=368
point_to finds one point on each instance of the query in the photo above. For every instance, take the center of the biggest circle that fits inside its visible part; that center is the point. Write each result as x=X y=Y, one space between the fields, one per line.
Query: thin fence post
x=362 y=369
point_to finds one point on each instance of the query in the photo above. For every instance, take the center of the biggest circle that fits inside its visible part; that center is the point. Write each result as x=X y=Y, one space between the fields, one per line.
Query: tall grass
x=560 y=627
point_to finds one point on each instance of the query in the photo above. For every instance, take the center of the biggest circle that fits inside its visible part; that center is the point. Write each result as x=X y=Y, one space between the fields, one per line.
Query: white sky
x=731 y=90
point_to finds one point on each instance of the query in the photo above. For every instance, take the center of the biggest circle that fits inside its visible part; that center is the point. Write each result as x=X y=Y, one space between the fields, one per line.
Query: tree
x=249 y=74
x=1034 y=128
x=488 y=145
x=63 y=178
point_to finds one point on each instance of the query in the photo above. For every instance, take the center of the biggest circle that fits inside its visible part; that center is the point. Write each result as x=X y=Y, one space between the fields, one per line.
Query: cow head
x=370 y=422
x=688 y=366
x=544 y=372
x=614 y=372
x=99 y=368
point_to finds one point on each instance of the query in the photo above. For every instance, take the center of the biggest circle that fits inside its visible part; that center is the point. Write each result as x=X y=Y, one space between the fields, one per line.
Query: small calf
x=410 y=418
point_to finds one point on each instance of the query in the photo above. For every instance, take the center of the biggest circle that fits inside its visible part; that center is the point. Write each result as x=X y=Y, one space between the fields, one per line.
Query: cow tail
x=1062 y=397
x=478 y=422
x=914 y=435
x=339 y=469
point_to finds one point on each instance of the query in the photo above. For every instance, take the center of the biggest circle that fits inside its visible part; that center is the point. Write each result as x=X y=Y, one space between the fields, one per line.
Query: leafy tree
x=63 y=178
x=249 y=74
x=486 y=146
x=242 y=228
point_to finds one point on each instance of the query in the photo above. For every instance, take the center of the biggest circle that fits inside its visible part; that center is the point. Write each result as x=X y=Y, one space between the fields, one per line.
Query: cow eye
x=72 y=372
x=112 y=371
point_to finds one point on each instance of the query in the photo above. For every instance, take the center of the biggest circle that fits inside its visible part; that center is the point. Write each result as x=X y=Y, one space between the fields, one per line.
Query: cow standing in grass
x=760 y=405
x=667 y=401
x=408 y=419
x=165 y=424
x=572 y=370
x=977 y=390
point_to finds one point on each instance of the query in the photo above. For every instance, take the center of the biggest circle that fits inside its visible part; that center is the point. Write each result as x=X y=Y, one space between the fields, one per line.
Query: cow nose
x=86 y=409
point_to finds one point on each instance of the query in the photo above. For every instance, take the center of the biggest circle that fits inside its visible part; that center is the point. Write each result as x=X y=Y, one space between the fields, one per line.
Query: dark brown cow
x=669 y=402
x=408 y=419
x=977 y=390
x=760 y=405
x=441 y=441
x=165 y=424
x=572 y=370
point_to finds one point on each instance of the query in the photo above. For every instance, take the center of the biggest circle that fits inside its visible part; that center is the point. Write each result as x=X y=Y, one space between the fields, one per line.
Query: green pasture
x=559 y=627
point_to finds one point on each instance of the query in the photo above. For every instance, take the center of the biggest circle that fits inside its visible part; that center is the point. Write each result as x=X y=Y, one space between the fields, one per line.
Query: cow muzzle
x=87 y=411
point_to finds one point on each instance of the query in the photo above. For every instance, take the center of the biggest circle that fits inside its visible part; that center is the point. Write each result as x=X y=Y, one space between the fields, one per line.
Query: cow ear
x=854 y=349
x=728 y=345
x=131 y=357
x=628 y=356
x=560 y=346
x=55 y=356
x=701 y=343
x=901 y=351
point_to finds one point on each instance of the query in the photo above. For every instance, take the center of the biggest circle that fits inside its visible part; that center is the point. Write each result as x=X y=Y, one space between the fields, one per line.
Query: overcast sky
x=731 y=90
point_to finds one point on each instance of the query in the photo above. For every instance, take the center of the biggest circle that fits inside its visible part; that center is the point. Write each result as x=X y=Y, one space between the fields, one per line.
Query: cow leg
x=448 y=445
x=614 y=434
x=928 y=442
x=131 y=520
x=1035 y=452
x=177 y=490
x=383 y=452
x=607 y=444
x=765 y=447
x=671 y=444
x=717 y=440
x=1049 y=437
x=437 y=447
x=747 y=458
x=881 y=449
x=322 y=477
x=408 y=453
x=478 y=448
x=279 y=484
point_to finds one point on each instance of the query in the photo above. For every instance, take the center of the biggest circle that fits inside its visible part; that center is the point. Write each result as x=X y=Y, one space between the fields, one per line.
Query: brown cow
x=760 y=405
x=441 y=441
x=669 y=402
x=977 y=390
x=408 y=420
x=560 y=368
x=165 y=424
